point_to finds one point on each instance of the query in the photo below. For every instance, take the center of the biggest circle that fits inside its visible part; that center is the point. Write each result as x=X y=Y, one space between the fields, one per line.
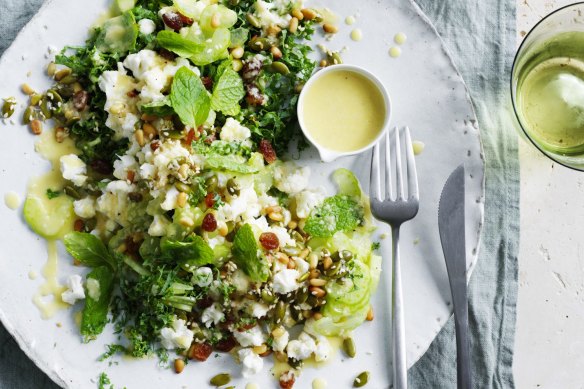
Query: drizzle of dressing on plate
x=350 y=20
x=12 y=200
x=48 y=296
x=252 y=385
x=319 y=383
x=357 y=34
x=400 y=38
x=394 y=52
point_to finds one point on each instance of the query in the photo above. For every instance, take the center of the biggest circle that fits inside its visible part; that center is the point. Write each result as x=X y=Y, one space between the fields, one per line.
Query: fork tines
x=389 y=151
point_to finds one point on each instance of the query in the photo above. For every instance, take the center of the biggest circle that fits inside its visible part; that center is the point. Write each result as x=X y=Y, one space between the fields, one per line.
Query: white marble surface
x=549 y=349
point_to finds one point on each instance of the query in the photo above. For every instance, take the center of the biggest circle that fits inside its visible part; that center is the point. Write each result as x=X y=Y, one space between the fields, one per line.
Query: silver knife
x=451 y=227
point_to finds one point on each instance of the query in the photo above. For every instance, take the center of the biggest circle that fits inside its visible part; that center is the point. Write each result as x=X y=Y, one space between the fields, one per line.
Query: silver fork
x=395 y=210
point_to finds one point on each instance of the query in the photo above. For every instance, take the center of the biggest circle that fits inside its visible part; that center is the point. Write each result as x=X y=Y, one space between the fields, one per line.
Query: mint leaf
x=227 y=93
x=159 y=108
x=232 y=163
x=192 y=252
x=337 y=213
x=94 y=316
x=189 y=98
x=245 y=253
x=88 y=249
x=178 y=44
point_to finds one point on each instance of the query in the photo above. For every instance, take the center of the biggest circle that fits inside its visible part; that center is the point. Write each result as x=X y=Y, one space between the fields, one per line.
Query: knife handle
x=400 y=377
x=460 y=302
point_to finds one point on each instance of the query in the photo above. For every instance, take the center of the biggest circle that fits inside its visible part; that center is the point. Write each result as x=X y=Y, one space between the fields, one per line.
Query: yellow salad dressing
x=343 y=111
x=12 y=200
x=54 y=217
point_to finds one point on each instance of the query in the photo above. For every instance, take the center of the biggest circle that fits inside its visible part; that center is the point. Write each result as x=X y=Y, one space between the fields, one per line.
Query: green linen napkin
x=481 y=37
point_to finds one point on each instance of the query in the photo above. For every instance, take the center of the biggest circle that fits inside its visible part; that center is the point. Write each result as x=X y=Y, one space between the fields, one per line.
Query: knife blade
x=451 y=227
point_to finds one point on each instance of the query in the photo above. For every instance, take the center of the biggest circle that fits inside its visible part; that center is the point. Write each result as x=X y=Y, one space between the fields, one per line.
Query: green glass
x=547 y=86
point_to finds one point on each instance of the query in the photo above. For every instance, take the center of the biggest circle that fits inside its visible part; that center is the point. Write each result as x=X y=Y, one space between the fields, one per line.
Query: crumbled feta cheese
x=176 y=336
x=281 y=341
x=74 y=290
x=285 y=281
x=323 y=349
x=302 y=348
x=240 y=281
x=301 y=265
x=212 y=315
x=291 y=179
x=245 y=205
x=117 y=85
x=252 y=363
x=124 y=164
x=216 y=241
x=158 y=226
x=252 y=337
x=307 y=200
x=283 y=236
x=203 y=277
x=93 y=288
x=147 y=26
x=233 y=131
x=114 y=204
x=258 y=309
x=73 y=169
x=272 y=13
x=84 y=208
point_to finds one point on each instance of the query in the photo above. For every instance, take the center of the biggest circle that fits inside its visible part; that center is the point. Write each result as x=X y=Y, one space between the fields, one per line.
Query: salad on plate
x=190 y=233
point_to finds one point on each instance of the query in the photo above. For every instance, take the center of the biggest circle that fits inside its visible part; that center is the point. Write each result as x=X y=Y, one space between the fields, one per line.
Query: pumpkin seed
x=349 y=347
x=295 y=363
x=279 y=67
x=211 y=183
x=267 y=296
x=280 y=311
x=8 y=107
x=182 y=187
x=259 y=44
x=72 y=192
x=221 y=379
x=361 y=380
x=233 y=187
x=251 y=19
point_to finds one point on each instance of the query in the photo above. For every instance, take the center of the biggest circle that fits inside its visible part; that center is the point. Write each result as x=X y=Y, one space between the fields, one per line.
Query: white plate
x=427 y=94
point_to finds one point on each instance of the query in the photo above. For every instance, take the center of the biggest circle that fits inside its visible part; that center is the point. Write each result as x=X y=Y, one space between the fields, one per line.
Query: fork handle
x=400 y=378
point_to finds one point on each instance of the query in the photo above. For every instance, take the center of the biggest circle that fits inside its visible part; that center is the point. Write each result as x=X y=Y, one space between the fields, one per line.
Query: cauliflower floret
x=117 y=85
x=124 y=164
x=291 y=179
x=73 y=169
x=74 y=290
x=233 y=131
x=176 y=336
x=307 y=200
x=280 y=341
x=170 y=199
x=323 y=349
x=84 y=208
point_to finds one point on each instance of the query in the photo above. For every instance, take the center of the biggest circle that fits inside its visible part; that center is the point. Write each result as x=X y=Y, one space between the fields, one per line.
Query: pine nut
x=317 y=316
x=215 y=20
x=317 y=291
x=260 y=349
x=179 y=365
x=183 y=170
x=304 y=253
x=181 y=199
x=237 y=52
x=291 y=264
x=36 y=127
x=149 y=130
x=327 y=262
x=60 y=134
x=273 y=30
x=317 y=282
x=281 y=356
x=148 y=117
x=222 y=228
x=293 y=26
x=323 y=63
x=276 y=216
x=186 y=222
x=62 y=74
x=237 y=65
x=308 y=13
x=292 y=225
x=314 y=273
x=278 y=332
x=51 y=69
x=139 y=135
x=313 y=260
x=370 y=313
x=27 y=89
x=297 y=14
x=276 y=52
x=330 y=29
x=283 y=258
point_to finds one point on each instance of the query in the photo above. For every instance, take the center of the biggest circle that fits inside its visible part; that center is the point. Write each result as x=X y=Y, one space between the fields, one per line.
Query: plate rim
x=54 y=375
